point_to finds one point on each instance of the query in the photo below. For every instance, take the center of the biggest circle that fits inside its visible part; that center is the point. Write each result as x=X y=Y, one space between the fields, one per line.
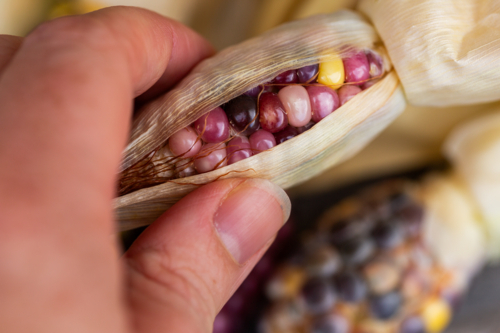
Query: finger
x=65 y=103
x=190 y=48
x=186 y=265
x=8 y=47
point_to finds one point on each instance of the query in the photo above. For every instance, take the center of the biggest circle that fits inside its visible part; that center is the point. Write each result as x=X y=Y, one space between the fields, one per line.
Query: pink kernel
x=347 y=92
x=356 y=68
x=261 y=140
x=375 y=62
x=324 y=100
x=185 y=142
x=213 y=126
x=212 y=156
x=238 y=149
x=272 y=116
x=297 y=105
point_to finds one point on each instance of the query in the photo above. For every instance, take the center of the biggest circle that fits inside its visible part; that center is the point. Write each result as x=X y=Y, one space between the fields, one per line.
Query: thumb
x=186 y=265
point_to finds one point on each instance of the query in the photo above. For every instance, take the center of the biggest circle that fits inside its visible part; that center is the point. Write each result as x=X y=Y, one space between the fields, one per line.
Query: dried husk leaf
x=474 y=150
x=446 y=52
x=331 y=141
x=239 y=68
x=452 y=227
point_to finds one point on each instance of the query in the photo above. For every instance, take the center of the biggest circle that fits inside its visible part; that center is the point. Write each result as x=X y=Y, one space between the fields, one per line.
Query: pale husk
x=446 y=52
x=334 y=139
x=452 y=227
x=474 y=150
x=239 y=68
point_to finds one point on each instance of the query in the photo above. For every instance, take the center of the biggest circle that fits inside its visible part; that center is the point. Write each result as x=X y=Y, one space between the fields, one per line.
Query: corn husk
x=234 y=71
x=453 y=230
x=474 y=150
x=18 y=17
x=446 y=52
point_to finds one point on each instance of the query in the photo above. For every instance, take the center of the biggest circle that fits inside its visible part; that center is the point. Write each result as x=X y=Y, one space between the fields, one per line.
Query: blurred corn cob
x=365 y=269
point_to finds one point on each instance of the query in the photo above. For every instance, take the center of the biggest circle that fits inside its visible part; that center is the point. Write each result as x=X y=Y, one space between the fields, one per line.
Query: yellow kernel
x=436 y=315
x=331 y=73
x=286 y=283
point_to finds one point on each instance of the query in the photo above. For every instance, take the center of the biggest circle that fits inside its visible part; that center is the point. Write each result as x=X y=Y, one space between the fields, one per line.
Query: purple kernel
x=368 y=84
x=261 y=140
x=324 y=100
x=302 y=129
x=212 y=156
x=213 y=126
x=254 y=92
x=350 y=286
x=238 y=149
x=242 y=114
x=272 y=113
x=375 y=63
x=413 y=324
x=318 y=295
x=306 y=73
x=331 y=323
x=356 y=68
x=286 y=77
x=347 y=92
x=385 y=306
x=223 y=323
x=270 y=88
x=286 y=134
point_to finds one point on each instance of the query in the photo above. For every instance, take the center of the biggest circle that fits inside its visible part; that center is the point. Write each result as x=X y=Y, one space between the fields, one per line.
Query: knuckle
x=71 y=30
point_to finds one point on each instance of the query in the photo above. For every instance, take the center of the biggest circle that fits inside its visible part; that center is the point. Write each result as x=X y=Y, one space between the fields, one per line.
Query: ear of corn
x=370 y=267
x=239 y=68
x=335 y=138
x=232 y=72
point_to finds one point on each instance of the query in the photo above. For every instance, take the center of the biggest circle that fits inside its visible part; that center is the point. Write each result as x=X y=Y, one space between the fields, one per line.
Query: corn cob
x=263 y=117
x=366 y=269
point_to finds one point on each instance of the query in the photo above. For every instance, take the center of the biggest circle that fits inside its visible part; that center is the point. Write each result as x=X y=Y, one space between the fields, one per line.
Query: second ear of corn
x=367 y=268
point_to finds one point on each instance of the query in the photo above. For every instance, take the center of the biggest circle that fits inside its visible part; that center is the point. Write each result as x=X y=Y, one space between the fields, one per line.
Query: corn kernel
x=331 y=73
x=286 y=283
x=436 y=314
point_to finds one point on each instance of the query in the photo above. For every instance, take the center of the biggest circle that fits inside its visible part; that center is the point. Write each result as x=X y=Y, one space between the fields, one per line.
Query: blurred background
x=410 y=147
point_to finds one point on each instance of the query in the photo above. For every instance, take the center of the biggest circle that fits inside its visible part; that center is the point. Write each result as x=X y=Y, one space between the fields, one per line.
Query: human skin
x=67 y=92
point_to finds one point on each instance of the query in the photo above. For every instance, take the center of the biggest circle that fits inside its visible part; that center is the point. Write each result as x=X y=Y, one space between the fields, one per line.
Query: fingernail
x=251 y=215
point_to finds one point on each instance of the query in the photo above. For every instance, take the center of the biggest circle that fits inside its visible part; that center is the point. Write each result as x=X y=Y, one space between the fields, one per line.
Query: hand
x=66 y=97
